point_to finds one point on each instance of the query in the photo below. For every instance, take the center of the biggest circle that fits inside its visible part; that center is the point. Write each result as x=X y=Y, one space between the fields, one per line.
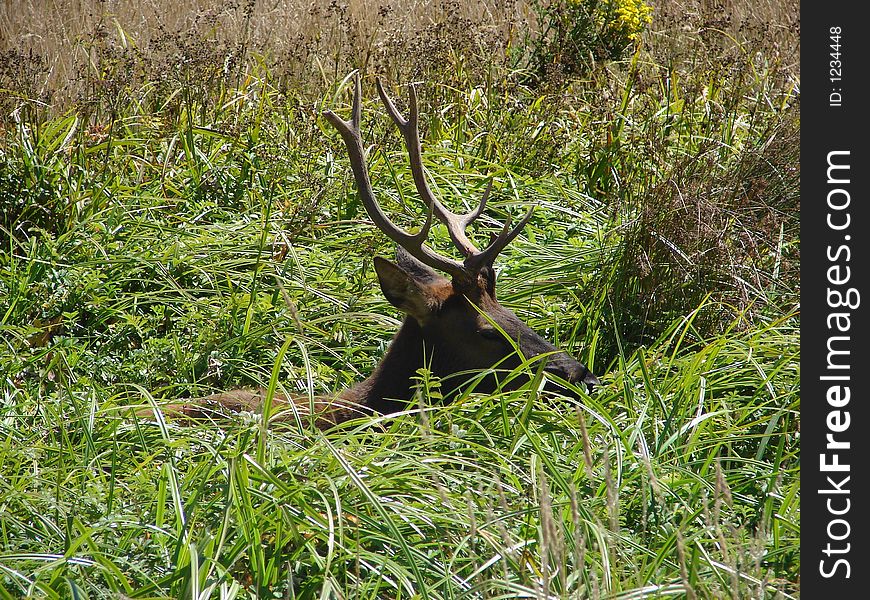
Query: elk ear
x=405 y=288
x=414 y=267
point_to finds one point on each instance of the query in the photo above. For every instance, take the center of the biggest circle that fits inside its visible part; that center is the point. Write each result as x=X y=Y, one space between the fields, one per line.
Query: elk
x=453 y=324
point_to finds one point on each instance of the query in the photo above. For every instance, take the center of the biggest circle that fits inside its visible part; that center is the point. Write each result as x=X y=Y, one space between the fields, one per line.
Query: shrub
x=575 y=33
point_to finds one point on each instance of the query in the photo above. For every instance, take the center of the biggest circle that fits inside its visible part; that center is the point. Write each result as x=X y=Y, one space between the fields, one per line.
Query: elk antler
x=456 y=224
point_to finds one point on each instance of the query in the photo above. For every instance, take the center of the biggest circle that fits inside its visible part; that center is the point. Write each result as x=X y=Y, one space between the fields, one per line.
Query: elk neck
x=390 y=386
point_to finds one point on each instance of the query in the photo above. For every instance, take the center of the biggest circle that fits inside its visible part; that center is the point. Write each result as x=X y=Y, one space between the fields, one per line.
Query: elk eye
x=490 y=333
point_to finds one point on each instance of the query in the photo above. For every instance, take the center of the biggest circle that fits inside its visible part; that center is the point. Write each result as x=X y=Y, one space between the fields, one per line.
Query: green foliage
x=669 y=470
x=171 y=237
x=574 y=34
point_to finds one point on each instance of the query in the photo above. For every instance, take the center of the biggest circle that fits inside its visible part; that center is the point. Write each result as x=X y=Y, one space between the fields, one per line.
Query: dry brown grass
x=771 y=26
x=52 y=47
x=53 y=51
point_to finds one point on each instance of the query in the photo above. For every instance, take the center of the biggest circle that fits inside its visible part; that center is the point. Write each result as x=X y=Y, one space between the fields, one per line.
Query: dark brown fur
x=442 y=331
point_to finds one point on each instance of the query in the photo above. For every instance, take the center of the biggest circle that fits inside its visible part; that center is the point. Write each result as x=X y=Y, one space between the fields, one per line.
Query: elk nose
x=589 y=379
x=582 y=373
x=575 y=372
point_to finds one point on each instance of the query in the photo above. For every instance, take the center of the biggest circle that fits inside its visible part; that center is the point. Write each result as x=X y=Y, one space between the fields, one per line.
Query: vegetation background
x=176 y=217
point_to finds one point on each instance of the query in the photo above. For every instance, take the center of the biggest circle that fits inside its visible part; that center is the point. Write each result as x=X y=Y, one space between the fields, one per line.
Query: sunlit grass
x=204 y=242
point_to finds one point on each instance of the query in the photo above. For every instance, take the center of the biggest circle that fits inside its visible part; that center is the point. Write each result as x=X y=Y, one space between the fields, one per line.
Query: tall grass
x=176 y=218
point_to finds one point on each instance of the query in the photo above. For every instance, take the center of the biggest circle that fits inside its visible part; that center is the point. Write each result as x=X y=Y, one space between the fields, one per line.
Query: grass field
x=176 y=217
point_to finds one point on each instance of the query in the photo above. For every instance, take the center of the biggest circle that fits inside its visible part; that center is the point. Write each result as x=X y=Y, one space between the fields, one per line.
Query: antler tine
x=413 y=243
x=488 y=255
x=456 y=223
x=356 y=108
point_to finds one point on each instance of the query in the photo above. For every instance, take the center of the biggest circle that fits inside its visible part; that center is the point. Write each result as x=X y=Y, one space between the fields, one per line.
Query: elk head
x=460 y=325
